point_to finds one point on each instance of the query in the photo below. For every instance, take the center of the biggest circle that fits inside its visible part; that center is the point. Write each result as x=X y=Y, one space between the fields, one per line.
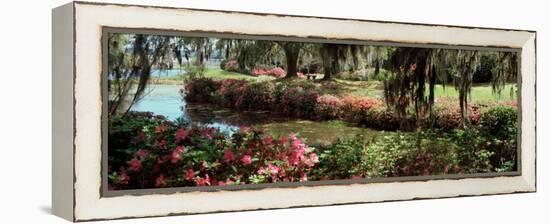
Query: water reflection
x=166 y=100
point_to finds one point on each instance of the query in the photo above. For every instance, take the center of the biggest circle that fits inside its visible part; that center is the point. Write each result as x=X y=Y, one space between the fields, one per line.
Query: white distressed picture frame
x=77 y=110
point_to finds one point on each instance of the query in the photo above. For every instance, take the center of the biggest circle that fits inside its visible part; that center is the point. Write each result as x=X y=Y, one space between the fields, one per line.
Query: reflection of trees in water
x=208 y=114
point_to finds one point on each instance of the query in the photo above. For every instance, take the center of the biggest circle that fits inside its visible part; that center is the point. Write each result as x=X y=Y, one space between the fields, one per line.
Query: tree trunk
x=377 y=67
x=292 y=51
x=198 y=56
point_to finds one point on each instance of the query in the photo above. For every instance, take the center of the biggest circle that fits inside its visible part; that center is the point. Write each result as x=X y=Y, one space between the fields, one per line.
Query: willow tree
x=414 y=68
x=504 y=71
x=463 y=65
x=378 y=55
x=335 y=56
x=411 y=67
x=131 y=59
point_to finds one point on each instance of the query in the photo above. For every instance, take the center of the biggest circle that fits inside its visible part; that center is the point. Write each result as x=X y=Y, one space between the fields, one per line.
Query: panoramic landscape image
x=189 y=111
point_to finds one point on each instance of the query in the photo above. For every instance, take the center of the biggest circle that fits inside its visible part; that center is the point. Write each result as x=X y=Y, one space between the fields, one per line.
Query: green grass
x=217 y=73
x=214 y=73
x=480 y=93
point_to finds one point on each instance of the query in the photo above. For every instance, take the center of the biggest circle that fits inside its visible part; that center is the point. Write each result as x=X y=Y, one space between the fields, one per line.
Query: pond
x=166 y=100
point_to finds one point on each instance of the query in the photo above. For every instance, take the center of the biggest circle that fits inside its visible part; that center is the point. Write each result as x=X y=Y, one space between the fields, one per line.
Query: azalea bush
x=298 y=101
x=358 y=108
x=328 y=107
x=447 y=114
x=230 y=65
x=399 y=154
x=302 y=99
x=257 y=95
x=147 y=151
x=200 y=90
x=275 y=72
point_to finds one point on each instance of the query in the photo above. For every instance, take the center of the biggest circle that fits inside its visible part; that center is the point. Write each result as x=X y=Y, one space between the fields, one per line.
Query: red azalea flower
x=203 y=181
x=163 y=144
x=135 y=165
x=246 y=160
x=141 y=136
x=190 y=174
x=268 y=140
x=181 y=134
x=159 y=129
x=228 y=156
x=160 y=181
x=176 y=154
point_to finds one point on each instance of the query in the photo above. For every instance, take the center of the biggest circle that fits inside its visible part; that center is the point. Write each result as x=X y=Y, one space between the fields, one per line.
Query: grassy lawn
x=480 y=92
x=214 y=73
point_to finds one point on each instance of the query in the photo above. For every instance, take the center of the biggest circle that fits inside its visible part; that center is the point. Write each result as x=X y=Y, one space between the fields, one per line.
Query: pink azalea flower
x=260 y=171
x=282 y=140
x=181 y=134
x=228 y=156
x=160 y=181
x=135 y=165
x=303 y=177
x=190 y=174
x=274 y=170
x=268 y=140
x=204 y=165
x=312 y=160
x=246 y=160
x=143 y=153
x=228 y=181
x=176 y=154
x=221 y=183
x=123 y=178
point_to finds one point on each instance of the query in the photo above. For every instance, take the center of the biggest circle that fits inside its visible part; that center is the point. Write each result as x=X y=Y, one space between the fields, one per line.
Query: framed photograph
x=166 y=111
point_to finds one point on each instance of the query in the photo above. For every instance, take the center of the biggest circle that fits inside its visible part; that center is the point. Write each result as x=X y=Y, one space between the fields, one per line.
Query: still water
x=166 y=100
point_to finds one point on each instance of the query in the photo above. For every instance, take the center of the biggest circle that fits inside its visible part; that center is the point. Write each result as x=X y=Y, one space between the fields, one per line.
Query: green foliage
x=195 y=71
x=257 y=95
x=400 y=154
x=500 y=127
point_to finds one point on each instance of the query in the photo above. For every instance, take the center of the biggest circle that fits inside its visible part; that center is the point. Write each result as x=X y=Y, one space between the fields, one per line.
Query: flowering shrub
x=398 y=154
x=357 y=108
x=231 y=66
x=158 y=153
x=275 y=72
x=328 y=107
x=257 y=95
x=230 y=92
x=200 y=90
x=300 y=102
x=447 y=114
x=301 y=99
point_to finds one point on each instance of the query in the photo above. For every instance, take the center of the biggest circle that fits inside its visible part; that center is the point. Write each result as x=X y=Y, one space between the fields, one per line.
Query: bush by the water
x=148 y=151
x=303 y=99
